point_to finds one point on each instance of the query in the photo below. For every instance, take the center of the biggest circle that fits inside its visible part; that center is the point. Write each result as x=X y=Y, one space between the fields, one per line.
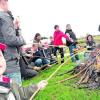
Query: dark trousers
x=60 y=51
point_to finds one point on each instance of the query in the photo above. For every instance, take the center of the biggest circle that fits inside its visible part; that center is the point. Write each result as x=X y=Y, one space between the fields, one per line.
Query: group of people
x=20 y=65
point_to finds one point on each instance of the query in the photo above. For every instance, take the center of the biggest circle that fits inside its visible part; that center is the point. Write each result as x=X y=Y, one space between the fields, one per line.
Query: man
x=72 y=46
x=12 y=39
x=58 y=34
x=10 y=90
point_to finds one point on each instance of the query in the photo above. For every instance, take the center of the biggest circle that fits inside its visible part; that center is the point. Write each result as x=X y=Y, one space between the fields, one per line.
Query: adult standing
x=13 y=40
x=71 y=45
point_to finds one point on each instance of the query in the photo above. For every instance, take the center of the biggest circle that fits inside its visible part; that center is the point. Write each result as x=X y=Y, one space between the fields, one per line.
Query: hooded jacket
x=9 y=37
x=58 y=37
x=12 y=91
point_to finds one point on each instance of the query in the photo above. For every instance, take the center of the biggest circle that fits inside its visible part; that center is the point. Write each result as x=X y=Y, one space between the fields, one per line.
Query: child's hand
x=42 y=84
x=71 y=40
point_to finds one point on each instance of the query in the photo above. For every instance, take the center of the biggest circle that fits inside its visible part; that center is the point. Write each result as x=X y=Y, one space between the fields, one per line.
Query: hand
x=71 y=40
x=42 y=84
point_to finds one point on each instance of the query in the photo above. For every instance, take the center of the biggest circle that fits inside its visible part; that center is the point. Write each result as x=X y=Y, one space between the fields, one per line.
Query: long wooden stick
x=47 y=80
x=51 y=76
x=72 y=76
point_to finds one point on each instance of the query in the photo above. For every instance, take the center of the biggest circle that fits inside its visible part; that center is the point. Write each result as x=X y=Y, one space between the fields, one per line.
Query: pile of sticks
x=88 y=73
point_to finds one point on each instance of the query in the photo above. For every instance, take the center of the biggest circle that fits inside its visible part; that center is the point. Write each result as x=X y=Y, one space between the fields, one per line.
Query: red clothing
x=58 y=37
x=2 y=46
x=5 y=79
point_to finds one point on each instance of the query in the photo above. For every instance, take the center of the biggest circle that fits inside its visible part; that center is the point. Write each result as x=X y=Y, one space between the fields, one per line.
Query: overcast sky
x=41 y=16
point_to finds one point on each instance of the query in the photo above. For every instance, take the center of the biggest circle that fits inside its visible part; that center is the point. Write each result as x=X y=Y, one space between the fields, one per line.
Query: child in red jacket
x=58 y=34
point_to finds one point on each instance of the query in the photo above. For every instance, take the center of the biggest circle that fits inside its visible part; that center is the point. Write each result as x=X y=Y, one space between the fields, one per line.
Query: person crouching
x=38 y=57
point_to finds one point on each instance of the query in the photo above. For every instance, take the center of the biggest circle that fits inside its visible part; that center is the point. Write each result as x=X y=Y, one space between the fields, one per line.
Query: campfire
x=89 y=71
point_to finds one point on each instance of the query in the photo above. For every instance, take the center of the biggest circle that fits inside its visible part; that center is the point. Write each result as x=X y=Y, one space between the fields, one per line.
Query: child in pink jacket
x=58 y=34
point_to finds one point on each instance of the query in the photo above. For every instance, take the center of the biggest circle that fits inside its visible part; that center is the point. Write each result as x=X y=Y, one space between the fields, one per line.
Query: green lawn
x=62 y=91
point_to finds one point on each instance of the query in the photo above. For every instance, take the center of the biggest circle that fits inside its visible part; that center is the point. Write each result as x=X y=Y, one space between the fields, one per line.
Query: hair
x=36 y=35
x=56 y=26
x=68 y=25
x=89 y=36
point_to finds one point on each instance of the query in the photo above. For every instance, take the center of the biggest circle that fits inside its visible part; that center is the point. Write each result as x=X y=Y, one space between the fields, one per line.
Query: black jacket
x=72 y=35
x=38 y=54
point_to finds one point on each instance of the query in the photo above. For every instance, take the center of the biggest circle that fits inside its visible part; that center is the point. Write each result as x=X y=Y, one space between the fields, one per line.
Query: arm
x=66 y=36
x=27 y=92
x=9 y=35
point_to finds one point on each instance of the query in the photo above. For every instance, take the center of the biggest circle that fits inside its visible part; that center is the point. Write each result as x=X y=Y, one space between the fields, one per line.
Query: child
x=58 y=34
x=10 y=90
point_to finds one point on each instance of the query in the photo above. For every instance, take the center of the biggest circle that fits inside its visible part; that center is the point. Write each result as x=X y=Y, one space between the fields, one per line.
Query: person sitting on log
x=39 y=59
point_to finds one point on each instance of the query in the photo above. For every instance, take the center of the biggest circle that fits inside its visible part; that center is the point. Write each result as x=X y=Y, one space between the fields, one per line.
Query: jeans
x=41 y=62
x=71 y=49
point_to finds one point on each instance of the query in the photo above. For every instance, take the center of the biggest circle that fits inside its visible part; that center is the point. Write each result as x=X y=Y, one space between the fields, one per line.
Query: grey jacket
x=8 y=36
x=19 y=92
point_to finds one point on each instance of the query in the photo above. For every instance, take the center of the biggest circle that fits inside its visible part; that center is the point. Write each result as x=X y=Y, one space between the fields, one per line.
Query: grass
x=62 y=91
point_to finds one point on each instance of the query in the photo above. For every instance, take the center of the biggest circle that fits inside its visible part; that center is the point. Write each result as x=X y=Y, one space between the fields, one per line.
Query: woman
x=37 y=40
x=90 y=42
x=90 y=46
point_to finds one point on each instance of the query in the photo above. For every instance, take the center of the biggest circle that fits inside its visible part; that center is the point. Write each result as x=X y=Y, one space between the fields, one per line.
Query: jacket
x=8 y=36
x=58 y=37
x=38 y=54
x=72 y=35
x=9 y=90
